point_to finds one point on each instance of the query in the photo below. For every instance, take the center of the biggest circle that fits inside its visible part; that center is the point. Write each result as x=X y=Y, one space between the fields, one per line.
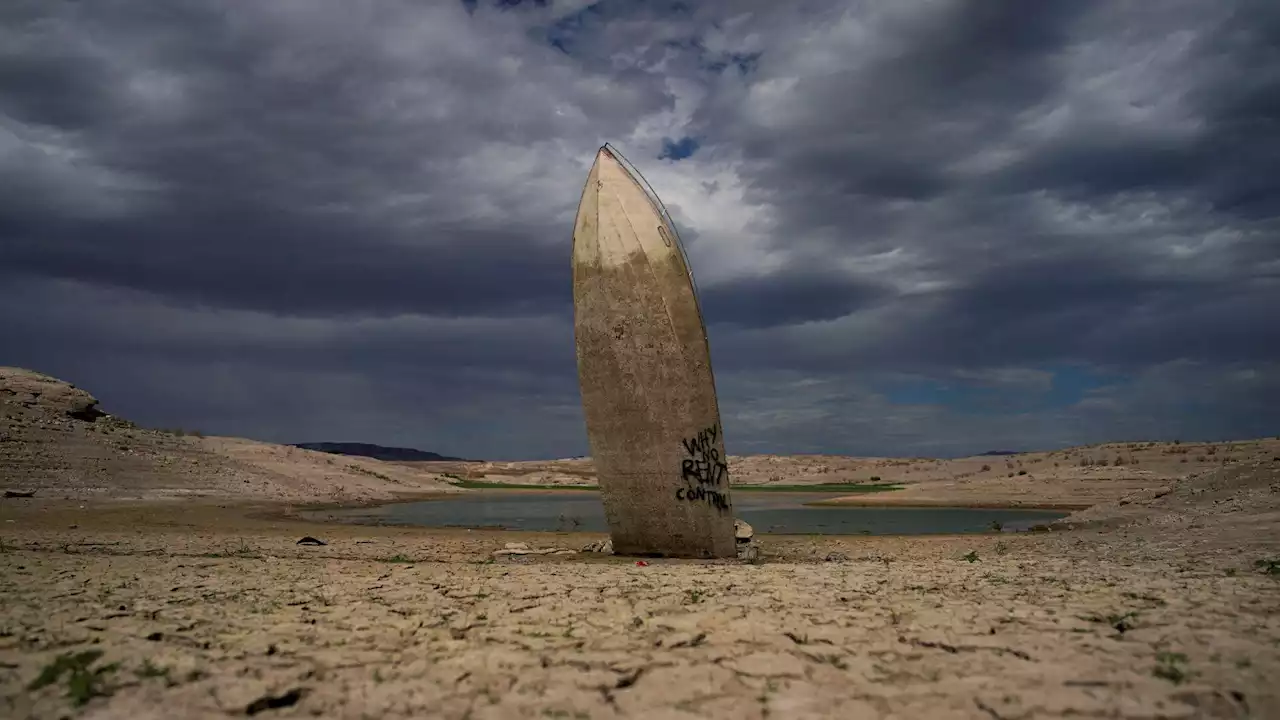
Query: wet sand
x=1154 y=608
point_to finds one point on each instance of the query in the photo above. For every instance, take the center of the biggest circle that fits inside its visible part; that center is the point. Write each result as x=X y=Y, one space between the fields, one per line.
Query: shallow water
x=767 y=513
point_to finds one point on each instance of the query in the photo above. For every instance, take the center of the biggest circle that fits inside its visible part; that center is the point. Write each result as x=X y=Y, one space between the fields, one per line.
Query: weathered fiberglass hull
x=644 y=366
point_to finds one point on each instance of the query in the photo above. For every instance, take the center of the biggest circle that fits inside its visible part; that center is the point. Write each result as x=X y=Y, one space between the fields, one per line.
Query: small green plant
x=243 y=550
x=1268 y=566
x=972 y=556
x=1171 y=666
x=84 y=682
x=149 y=669
x=1122 y=623
x=399 y=558
x=696 y=595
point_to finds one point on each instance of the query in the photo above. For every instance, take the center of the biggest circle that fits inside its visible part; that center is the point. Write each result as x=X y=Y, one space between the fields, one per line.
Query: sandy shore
x=1160 y=607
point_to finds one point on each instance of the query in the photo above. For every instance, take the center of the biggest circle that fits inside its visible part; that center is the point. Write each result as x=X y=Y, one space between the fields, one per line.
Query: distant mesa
x=377 y=452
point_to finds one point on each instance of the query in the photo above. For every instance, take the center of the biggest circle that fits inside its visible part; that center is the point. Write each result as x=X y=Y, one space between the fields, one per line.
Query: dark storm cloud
x=76 y=319
x=886 y=125
x=1092 y=308
x=299 y=265
x=278 y=150
x=785 y=298
x=1067 y=248
x=335 y=221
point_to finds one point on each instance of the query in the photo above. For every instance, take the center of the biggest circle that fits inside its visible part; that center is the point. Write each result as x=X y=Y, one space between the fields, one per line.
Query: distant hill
x=377 y=452
x=999 y=452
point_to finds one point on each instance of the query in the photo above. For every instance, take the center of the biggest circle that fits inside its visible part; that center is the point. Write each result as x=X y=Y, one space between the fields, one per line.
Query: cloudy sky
x=925 y=227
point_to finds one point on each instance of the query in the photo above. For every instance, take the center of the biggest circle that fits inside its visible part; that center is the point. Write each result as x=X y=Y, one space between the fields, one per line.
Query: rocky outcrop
x=42 y=394
x=55 y=439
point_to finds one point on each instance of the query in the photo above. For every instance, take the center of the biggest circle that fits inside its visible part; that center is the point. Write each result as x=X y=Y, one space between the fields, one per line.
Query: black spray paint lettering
x=703 y=467
x=702 y=442
x=715 y=498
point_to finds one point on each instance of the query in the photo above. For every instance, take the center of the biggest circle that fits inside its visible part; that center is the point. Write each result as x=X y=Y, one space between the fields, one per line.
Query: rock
x=308 y=540
x=836 y=557
x=742 y=531
x=37 y=391
x=523 y=549
x=19 y=493
x=749 y=551
x=602 y=546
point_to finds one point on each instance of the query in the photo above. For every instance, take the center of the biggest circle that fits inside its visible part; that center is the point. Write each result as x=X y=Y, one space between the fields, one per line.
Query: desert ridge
x=60 y=443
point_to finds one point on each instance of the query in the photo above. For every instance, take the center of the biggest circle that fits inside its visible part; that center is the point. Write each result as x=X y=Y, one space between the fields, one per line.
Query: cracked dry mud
x=208 y=612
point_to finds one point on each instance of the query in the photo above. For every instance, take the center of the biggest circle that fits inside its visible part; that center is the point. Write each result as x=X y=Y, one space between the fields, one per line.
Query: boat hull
x=644 y=367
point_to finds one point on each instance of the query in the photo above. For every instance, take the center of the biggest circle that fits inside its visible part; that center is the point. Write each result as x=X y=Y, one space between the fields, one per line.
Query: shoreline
x=215 y=524
x=373 y=520
x=256 y=519
x=878 y=499
x=920 y=504
x=249 y=515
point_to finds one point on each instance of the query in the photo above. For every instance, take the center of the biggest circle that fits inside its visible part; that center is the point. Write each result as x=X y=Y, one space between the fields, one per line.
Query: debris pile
x=748 y=549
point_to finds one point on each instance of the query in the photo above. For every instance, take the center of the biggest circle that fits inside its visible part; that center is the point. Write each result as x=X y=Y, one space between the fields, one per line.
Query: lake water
x=766 y=512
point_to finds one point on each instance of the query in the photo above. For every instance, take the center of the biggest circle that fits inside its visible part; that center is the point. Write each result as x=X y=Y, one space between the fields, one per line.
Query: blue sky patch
x=678 y=149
